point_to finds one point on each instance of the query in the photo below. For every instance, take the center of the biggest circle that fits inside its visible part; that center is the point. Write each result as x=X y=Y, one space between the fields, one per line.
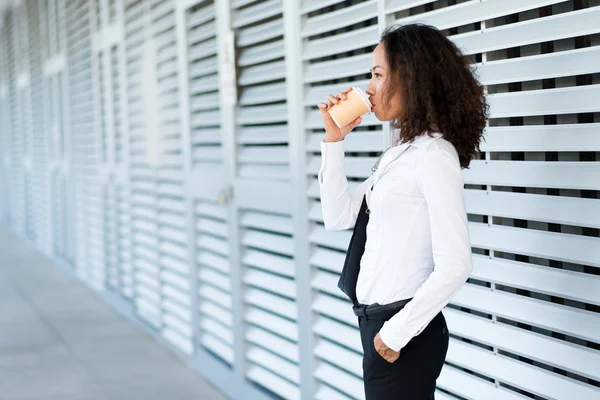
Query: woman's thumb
x=323 y=108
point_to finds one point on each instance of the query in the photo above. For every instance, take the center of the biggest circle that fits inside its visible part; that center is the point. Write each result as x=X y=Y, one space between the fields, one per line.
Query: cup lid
x=363 y=96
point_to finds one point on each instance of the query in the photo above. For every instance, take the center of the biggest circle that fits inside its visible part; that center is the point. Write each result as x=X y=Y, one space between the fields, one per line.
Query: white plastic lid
x=363 y=96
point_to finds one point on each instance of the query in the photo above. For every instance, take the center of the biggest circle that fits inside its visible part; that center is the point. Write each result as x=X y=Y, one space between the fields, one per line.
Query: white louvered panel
x=123 y=193
x=172 y=232
x=539 y=232
x=261 y=78
x=270 y=298
x=39 y=147
x=203 y=78
x=214 y=282
x=329 y=34
x=144 y=210
x=16 y=144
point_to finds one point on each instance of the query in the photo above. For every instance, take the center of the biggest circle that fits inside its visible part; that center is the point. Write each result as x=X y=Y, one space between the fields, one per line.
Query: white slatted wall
x=173 y=242
x=266 y=235
x=211 y=218
x=86 y=155
x=336 y=55
x=39 y=149
x=525 y=326
x=141 y=106
x=16 y=171
x=5 y=211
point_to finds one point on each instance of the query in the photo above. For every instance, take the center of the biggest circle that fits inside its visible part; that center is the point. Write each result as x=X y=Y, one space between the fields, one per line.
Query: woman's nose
x=370 y=91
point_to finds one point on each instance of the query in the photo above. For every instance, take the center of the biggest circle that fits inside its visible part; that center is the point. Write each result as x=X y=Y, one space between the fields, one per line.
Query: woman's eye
x=375 y=75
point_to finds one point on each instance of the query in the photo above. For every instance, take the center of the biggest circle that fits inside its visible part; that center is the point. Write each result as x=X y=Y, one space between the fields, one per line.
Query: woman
x=417 y=252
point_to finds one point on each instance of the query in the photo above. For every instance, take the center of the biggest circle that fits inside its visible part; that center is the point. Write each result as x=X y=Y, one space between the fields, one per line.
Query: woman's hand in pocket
x=385 y=352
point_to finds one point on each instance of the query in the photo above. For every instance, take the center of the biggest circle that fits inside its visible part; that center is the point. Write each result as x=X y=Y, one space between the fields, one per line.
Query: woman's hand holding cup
x=334 y=133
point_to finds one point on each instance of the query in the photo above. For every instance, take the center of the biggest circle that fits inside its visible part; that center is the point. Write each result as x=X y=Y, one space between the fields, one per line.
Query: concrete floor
x=59 y=340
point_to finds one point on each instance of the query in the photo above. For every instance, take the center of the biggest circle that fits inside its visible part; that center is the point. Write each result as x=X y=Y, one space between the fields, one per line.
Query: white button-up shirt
x=417 y=237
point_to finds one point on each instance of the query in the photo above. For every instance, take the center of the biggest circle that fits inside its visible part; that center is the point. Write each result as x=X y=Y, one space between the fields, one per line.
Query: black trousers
x=413 y=375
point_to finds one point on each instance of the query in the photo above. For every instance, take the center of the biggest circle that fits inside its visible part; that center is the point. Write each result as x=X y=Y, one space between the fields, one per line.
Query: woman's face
x=379 y=85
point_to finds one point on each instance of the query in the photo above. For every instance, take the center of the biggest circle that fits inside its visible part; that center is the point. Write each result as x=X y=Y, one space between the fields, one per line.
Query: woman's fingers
x=333 y=99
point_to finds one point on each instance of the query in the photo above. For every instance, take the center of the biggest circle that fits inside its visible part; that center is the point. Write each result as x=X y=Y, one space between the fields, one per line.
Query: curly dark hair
x=437 y=85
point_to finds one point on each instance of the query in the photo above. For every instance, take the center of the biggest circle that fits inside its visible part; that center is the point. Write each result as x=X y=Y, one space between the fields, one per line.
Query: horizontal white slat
x=542 y=66
x=217 y=330
x=281 y=346
x=356 y=39
x=256 y=13
x=570 y=100
x=273 y=323
x=337 y=69
x=327 y=283
x=341 y=380
x=272 y=155
x=556 y=27
x=212 y=244
x=558 y=175
x=257 y=194
x=274 y=383
x=339 y=356
x=211 y=210
x=533 y=207
x=206 y=66
x=260 y=54
x=269 y=262
x=563 y=319
x=308 y=6
x=327 y=259
x=183 y=343
x=212 y=294
x=274 y=243
x=214 y=278
x=203 y=32
x=337 y=240
x=260 y=33
x=272 y=223
x=564 y=137
x=262 y=73
x=219 y=348
x=550 y=351
x=217 y=228
x=218 y=313
x=213 y=261
x=474 y=11
x=338 y=332
x=550 y=245
x=340 y=18
x=262 y=135
x=201 y=15
x=274 y=284
x=181 y=315
x=557 y=282
x=518 y=374
x=334 y=308
x=471 y=387
x=263 y=94
x=273 y=363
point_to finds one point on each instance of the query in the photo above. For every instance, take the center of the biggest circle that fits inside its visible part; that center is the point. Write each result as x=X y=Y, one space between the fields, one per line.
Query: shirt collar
x=422 y=141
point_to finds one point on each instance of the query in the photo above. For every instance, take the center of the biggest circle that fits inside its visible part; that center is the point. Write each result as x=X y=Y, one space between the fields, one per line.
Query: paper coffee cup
x=356 y=104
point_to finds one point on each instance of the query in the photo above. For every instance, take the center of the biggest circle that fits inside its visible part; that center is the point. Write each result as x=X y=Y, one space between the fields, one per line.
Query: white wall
x=166 y=152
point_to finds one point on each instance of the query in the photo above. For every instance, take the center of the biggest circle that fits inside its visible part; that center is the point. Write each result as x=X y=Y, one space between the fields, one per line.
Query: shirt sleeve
x=339 y=206
x=443 y=188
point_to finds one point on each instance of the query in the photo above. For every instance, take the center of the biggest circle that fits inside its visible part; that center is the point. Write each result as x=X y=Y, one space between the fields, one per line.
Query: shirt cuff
x=393 y=339
x=332 y=155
